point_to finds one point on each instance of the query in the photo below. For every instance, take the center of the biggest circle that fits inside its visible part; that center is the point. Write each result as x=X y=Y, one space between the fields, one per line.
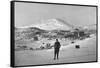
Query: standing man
x=56 y=49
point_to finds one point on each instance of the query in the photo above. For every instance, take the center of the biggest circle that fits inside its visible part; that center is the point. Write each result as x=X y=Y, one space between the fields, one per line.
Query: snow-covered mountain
x=52 y=24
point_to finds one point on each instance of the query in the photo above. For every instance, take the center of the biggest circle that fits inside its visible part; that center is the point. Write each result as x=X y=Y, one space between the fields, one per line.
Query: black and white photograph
x=47 y=33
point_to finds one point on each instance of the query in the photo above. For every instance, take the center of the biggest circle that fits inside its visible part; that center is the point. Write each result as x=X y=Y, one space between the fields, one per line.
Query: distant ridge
x=57 y=24
x=52 y=24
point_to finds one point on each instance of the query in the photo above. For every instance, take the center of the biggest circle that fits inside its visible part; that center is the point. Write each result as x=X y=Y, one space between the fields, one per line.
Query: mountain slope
x=52 y=24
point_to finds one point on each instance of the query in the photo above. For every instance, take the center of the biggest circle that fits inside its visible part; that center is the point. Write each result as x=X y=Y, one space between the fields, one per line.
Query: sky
x=27 y=14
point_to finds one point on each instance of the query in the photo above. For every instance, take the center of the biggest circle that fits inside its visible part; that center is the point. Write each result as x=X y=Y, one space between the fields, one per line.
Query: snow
x=68 y=54
x=50 y=24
